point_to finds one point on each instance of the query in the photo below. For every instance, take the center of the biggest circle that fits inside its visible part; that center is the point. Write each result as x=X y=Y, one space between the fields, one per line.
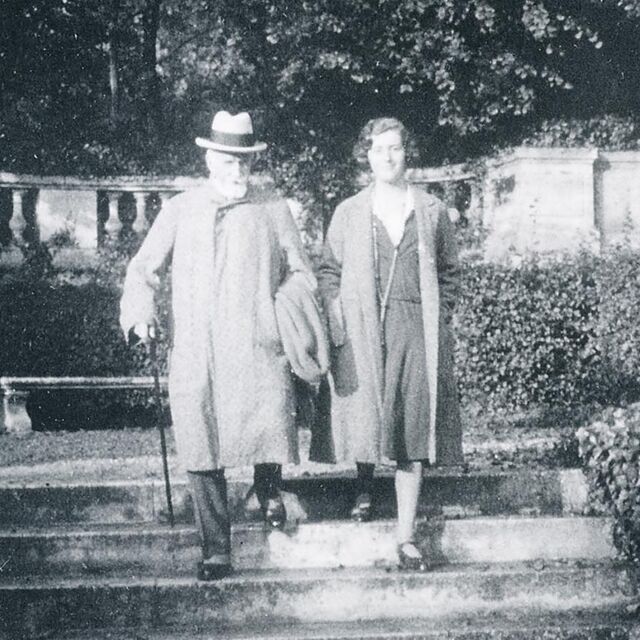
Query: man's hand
x=142 y=332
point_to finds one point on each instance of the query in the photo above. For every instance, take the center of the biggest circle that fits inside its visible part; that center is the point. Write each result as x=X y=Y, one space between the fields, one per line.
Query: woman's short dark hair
x=374 y=128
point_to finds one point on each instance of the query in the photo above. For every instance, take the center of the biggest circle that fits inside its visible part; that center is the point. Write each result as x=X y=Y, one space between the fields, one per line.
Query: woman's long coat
x=347 y=284
x=230 y=387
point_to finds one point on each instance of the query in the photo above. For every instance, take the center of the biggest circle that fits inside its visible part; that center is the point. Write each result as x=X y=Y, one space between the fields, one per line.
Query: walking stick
x=153 y=354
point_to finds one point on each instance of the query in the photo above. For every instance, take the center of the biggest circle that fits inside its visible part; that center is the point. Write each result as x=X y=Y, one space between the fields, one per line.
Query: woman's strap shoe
x=410 y=558
x=362 y=510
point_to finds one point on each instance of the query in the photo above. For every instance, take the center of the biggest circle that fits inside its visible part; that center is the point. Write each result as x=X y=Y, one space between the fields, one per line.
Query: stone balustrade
x=82 y=213
x=84 y=210
x=529 y=199
x=548 y=200
x=617 y=196
x=459 y=187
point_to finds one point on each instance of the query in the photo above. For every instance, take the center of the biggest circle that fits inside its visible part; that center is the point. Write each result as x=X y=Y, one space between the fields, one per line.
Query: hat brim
x=216 y=146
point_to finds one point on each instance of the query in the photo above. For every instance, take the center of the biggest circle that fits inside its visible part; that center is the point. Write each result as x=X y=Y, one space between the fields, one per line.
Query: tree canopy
x=119 y=86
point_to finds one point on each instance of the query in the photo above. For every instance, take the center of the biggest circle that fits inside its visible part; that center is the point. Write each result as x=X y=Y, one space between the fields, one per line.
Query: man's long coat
x=230 y=387
x=347 y=284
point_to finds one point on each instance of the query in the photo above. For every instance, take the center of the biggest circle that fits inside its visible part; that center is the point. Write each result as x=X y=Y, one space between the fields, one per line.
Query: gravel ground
x=495 y=446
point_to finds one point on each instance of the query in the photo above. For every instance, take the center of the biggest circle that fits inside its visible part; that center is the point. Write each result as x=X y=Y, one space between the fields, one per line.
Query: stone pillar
x=16 y=420
x=540 y=200
x=617 y=188
x=140 y=222
x=112 y=224
x=17 y=222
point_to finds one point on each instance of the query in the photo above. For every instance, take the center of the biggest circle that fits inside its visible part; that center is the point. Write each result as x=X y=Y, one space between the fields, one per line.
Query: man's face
x=229 y=173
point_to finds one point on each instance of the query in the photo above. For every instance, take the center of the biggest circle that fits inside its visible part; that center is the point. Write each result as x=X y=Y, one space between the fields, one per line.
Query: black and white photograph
x=320 y=319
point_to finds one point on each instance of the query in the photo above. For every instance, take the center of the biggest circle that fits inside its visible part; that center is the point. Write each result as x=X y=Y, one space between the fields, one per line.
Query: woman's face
x=387 y=157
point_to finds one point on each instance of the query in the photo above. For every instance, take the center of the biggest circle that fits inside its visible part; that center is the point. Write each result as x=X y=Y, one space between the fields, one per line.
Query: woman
x=389 y=279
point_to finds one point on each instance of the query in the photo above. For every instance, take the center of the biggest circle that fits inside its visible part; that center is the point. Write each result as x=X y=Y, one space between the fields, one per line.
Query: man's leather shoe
x=275 y=515
x=213 y=571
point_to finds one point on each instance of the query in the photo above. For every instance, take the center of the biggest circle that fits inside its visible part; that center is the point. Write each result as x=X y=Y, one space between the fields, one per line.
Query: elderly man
x=231 y=247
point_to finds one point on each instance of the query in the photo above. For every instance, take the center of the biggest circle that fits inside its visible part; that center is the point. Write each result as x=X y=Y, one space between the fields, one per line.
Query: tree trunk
x=112 y=51
x=151 y=24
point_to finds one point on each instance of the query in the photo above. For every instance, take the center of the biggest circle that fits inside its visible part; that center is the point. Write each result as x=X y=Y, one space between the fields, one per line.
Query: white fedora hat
x=232 y=134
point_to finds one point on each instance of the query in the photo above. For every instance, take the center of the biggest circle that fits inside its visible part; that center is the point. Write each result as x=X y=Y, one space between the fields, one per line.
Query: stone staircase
x=85 y=559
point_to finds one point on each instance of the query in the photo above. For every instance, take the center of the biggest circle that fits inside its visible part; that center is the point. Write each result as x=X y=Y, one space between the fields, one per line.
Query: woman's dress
x=406 y=390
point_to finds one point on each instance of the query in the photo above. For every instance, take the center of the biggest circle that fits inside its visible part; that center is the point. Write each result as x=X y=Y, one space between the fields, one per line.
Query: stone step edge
x=448 y=572
x=155 y=528
x=307 y=498
x=570 y=486
x=160 y=550
x=528 y=624
x=283 y=597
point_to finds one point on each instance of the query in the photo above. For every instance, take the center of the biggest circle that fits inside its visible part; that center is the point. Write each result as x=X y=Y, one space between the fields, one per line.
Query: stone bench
x=15 y=393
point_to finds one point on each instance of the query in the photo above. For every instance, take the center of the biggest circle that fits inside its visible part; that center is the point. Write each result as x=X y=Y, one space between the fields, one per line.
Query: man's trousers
x=210 y=504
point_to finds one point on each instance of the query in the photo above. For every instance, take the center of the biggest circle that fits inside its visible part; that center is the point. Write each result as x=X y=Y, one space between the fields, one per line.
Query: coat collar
x=254 y=194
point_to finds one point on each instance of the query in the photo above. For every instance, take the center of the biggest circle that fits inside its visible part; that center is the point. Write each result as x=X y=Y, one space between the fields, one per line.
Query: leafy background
x=123 y=86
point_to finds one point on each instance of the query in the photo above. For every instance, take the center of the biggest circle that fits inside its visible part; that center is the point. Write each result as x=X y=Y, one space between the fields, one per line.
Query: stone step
x=267 y=599
x=606 y=623
x=156 y=550
x=552 y=492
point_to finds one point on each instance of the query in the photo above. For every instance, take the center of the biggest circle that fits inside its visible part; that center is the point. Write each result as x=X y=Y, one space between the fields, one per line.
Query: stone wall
x=555 y=199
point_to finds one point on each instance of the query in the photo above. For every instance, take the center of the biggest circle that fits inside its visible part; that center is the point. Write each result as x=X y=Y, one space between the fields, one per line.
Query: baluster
x=140 y=222
x=17 y=222
x=112 y=224
x=164 y=196
x=15 y=419
x=475 y=200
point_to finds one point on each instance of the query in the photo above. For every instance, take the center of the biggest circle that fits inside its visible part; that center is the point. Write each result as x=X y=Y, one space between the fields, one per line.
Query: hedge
x=526 y=334
x=555 y=332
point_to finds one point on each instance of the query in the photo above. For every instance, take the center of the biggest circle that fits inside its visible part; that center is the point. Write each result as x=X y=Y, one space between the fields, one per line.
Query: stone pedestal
x=540 y=200
x=68 y=210
x=15 y=419
x=617 y=197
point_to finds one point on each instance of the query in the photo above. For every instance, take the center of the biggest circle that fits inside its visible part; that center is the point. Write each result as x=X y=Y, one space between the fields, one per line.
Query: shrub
x=64 y=330
x=610 y=449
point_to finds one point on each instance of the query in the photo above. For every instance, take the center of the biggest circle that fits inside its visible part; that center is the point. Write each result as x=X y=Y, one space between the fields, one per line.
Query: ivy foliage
x=610 y=450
